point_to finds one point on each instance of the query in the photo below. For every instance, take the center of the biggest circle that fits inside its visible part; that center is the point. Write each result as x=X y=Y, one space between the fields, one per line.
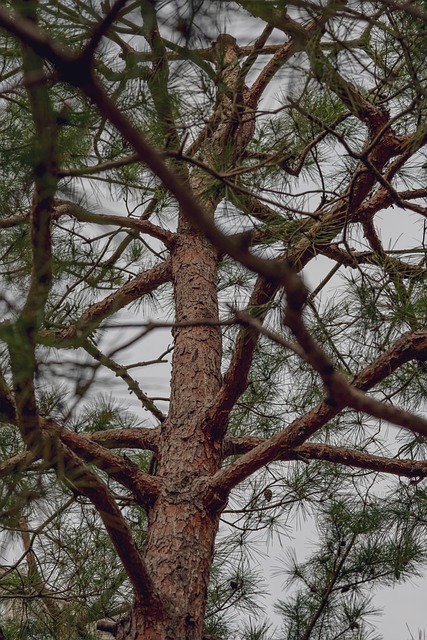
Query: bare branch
x=143 y=486
x=88 y=484
x=122 y=372
x=136 y=438
x=72 y=210
x=16 y=464
x=338 y=455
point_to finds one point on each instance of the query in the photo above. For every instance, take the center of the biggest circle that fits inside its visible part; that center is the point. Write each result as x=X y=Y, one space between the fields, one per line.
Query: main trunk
x=181 y=528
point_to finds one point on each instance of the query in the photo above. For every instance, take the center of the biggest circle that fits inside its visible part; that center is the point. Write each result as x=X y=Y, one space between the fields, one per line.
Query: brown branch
x=93 y=448
x=89 y=485
x=16 y=464
x=257 y=49
x=45 y=440
x=391 y=265
x=411 y=346
x=364 y=110
x=339 y=389
x=13 y=221
x=121 y=469
x=281 y=56
x=45 y=443
x=235 y=379
x=72 y=210
x=133 y=438
x=339 y=455
x=90 y=320
x=136 y=438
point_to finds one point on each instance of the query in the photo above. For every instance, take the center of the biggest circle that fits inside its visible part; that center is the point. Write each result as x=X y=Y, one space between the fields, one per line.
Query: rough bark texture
x=182 y=530
x=182 y=526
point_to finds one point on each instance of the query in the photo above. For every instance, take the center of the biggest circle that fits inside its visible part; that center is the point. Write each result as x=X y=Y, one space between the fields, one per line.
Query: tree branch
x=136 y=438
x=90 y=320
x=235 y=445
x=411 y=346
x=122 y=373
x=100 y=31
x=122 y=470
x=72 y=210
x=89 y=485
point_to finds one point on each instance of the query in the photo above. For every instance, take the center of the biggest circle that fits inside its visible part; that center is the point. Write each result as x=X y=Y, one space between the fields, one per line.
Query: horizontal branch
x=13 y=221
x=72 y=210
x=133 y=438
x=336 y=455
x=16 y=464
x=392 y=265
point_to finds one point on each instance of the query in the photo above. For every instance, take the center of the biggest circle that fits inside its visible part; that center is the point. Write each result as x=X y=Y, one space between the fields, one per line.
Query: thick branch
x=409 y=347
x=137 y=438
x=337 y=455
x=90 y=320
x=89 y=485
x=16 y=464
x=143 y=486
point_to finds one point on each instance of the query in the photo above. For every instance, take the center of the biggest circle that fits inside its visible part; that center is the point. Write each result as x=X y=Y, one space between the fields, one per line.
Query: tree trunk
x=181 y=526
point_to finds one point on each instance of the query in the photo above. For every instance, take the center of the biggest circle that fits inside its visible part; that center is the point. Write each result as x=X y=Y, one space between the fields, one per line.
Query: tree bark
x=181 y=528
x=182 y=523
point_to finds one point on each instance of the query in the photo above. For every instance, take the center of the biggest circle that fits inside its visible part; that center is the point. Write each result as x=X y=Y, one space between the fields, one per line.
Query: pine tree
x=183 y=166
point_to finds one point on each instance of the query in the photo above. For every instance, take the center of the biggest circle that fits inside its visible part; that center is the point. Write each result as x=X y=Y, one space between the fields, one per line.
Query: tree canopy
x=188 y=167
